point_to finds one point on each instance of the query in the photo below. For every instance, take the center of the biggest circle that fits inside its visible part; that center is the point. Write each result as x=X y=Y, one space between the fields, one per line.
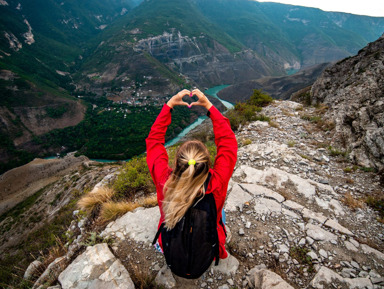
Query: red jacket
x=225 y=140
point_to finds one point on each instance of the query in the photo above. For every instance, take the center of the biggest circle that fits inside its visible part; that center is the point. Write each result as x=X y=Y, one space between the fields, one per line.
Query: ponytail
x=186 y=182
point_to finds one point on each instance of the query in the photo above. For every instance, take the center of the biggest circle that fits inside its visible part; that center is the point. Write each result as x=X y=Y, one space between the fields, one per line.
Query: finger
x=193 y=103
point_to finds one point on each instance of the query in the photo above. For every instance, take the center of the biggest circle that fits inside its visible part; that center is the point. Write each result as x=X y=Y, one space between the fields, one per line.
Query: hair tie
x=191 y=162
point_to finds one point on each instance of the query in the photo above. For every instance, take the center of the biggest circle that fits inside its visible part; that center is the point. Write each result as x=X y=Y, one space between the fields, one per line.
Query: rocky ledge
x=287 y=210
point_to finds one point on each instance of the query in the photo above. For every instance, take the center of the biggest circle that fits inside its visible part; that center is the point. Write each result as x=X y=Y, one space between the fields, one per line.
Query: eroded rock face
x=203 y=59
x=353 y=91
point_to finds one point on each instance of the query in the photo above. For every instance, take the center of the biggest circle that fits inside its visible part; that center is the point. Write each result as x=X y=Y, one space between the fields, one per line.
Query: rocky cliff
x=353 y=91
x=296 y=217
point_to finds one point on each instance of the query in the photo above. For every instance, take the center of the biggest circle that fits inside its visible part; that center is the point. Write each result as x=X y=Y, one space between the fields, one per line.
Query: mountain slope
x=353 y=91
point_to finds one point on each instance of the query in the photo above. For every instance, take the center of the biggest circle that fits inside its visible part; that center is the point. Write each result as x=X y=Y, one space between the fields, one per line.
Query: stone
x=313 y=255
x=248 y=225
x=319 y=234
x=314 y=216
x=52 y=272
x=354 y=242
x=368 y=250
x=261 y=191
x=54 y=287
x=309 y=240
x=283 y=249
x=225 y=286
x=34 y=269
x=302 y=242
x=336 y=226
x=230 y=282
x=350 y=246
x=140 y=225
x=165 y=278
x=226 y=266
x=241 y=232
x=326 y=276
x=355 y=265
x=293 y=205
x=323 y=253
x=265 y=279
x=97 y=267
x=267 y=206
x=237 y=197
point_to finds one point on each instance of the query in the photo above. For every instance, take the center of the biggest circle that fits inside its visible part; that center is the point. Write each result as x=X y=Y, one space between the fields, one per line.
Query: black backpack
x=190 y=247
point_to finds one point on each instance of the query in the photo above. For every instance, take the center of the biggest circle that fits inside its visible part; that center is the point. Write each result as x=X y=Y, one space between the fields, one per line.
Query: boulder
x=265 y=279
x=97 y=267
x=33 y=270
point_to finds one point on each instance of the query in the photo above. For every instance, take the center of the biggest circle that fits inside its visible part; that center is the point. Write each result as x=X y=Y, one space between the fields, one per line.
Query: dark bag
x=190 y=247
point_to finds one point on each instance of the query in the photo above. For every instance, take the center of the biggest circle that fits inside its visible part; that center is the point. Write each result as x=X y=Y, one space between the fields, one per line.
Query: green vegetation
x=133 y=176
x=336 y=152
x=56 y=112
x=245 y=112
x=114 y=131
x=376 y=202
x=300 y=254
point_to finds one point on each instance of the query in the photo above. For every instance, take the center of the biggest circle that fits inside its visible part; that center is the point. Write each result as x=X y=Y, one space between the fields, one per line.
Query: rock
x=265 y=279
x=267 y=206
x=377 y=280
x=368 y=250
x=230 y=282
x=293 y=205
x=241 y=232
x=283 y=249
x=323 y=253
x=279 y=177
x=248 y=225
x=226 y=266
x=237 y=197
x=165 y=278
x=326 y=276
x=34 y=269
x=314 y=216
x=140 y=225
x=336 y=226
x=54 y=287
x=225 y=286
x=319 y=234
x=97 y=267
x=350 y=246
x=261 y=191
x=52 y=272
x=312 y=255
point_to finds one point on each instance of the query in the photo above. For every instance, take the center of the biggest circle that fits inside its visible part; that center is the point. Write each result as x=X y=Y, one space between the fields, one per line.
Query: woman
x=178 y=188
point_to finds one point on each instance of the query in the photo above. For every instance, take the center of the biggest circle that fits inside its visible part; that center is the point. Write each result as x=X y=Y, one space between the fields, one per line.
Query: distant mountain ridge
x=138 y=51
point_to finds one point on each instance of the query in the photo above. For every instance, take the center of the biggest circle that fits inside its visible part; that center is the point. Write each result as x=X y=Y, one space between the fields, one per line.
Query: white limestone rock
x=97 y=267
x=237 y=197
x=140 y=225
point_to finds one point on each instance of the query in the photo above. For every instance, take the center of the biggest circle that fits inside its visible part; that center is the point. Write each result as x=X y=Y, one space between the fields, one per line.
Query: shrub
x=291 y=143
x=134 y=176
x=259 y=98
x=351 y=202
x=246 y=142
x=376 y=202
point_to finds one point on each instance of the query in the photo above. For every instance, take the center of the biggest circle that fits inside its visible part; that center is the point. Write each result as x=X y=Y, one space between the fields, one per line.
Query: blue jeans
x=223 y=216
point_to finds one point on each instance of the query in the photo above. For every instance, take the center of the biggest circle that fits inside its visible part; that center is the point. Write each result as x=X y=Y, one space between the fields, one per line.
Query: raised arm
x=225 y=139
x=157 y=157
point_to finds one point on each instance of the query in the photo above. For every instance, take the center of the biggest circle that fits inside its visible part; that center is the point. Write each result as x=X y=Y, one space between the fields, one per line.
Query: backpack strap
x=158 y=233
x=207 y=181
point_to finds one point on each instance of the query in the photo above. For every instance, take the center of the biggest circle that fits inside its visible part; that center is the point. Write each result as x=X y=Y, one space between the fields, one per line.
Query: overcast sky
x=366 y=7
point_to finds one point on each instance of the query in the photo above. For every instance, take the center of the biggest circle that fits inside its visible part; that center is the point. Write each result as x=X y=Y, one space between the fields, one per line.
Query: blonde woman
x=179 y=187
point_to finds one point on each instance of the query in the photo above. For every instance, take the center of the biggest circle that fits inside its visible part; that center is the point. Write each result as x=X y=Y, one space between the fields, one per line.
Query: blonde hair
x=186 y=182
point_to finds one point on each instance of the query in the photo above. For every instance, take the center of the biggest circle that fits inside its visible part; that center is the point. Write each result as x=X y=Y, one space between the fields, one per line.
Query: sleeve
x=157 y=157
x=226 y=144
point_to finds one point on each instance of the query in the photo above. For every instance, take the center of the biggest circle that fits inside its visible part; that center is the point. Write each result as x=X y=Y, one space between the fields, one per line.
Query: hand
x=202 y=99
x=178 y=98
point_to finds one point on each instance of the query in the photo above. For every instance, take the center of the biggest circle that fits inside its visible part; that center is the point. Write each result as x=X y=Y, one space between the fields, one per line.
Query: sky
x=366 y=7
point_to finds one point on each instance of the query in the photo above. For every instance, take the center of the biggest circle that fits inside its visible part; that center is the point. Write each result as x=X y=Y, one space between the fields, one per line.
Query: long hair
x=186 y=182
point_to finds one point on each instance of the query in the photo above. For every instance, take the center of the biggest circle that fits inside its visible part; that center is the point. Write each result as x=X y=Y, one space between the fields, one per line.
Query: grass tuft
x=92 y=200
